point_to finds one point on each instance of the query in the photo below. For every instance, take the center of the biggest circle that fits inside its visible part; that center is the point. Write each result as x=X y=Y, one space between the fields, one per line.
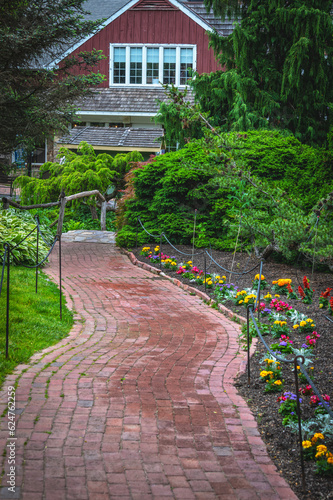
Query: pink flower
x=326 y=397
x=181 y=270
x=314 y=400
x=195 y=270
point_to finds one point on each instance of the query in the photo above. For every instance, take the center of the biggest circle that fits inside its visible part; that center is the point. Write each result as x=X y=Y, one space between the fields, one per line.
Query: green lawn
x=34 y=320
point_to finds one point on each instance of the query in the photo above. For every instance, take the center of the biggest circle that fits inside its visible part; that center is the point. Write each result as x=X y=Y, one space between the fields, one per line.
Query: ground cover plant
x=15 y=226
x=34 y=321
x=292 y=323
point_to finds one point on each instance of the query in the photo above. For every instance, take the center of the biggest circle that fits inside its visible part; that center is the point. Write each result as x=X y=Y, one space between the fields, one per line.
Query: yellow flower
x=278 y=296
x=274 y=282
x=309 y=320
x=257 y=277
x=240 y=302
x=224 y=277
x=268 y=296
x=263 y=373
x=277 y=322
x=173 y=263
x=278 y=382
x=302 y=323
x=189 y=262
x=306 y=444
x=217 y=277
x=283 y=323
x=295 y=327
x=318 y=435
x=330 y=460
x=321 y=305
x=221 y=282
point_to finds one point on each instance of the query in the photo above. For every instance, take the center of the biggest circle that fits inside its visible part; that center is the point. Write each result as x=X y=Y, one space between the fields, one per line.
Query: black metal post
x=7 y=305
x=37 y=256
x=161 y=251
x=248 y=346
x=59 y=237
x=205 y=270
x=296 y=362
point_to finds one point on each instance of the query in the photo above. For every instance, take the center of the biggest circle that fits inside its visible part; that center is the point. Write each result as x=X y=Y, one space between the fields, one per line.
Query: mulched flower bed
x=282 y=445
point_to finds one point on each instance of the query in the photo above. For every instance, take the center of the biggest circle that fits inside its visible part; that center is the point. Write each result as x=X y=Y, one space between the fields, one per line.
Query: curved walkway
x=139 y=402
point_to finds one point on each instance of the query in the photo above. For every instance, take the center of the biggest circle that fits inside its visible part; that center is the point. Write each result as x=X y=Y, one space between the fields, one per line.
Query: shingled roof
x=114 y=138
x=126 y=101
x=223 y=27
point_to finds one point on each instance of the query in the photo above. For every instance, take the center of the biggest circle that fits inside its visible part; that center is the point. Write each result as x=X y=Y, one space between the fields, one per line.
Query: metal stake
x=7 y=305
x=205 y=270
x=37 y=257
x=161 y=250
x=248 y=346
x=59 y=237
x=296 y=362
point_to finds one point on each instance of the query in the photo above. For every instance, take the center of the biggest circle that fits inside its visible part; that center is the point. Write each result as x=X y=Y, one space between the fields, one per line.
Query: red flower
x=331 y=303
x=301 y=292
x=306 y=282
x=290 y=290
x=326 y=294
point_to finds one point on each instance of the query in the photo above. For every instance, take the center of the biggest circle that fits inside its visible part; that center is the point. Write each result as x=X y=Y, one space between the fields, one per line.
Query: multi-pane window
x=169 y=66
x=151 y=64
x=186 y=64
x=153 y=59
x=136 y=65
x=119 y=65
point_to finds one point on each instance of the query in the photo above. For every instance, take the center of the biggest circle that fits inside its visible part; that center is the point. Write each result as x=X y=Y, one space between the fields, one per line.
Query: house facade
x=147 y=43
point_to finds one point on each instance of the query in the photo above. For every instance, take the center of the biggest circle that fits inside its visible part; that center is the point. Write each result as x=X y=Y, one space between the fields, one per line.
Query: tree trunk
x=93 y=212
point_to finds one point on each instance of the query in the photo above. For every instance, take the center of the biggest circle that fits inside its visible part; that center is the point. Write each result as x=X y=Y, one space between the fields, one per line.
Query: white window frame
x=144 y=47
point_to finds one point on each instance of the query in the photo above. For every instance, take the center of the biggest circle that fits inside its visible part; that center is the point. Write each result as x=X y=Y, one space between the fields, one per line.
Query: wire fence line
x=42 y=261
x=210 y=255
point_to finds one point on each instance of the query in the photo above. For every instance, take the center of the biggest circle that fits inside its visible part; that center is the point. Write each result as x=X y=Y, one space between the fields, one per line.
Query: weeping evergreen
x=277 y=68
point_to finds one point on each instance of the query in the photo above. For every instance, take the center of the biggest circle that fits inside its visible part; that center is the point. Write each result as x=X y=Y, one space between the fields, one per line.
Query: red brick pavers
x=138 y=402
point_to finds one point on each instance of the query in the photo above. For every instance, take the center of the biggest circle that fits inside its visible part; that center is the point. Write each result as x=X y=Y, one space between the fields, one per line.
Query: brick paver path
x=141 y=403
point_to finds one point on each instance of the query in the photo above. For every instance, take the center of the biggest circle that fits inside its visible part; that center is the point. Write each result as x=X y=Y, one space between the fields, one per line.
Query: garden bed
x=282 y=444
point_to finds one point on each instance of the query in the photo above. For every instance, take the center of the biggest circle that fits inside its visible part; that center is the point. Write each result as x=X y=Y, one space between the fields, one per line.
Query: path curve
x=141 y=402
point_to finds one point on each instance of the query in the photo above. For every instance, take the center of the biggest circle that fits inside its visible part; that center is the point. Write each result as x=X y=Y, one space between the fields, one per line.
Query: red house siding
x=152 y=26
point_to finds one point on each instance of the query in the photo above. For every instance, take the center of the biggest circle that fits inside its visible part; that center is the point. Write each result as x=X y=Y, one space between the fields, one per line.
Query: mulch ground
x=282 y=445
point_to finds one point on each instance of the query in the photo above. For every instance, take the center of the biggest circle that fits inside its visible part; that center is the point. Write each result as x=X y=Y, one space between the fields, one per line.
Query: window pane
x=152 y=65
x=119 y=64
x=169 y=66
x=136 y=65
x=186 y=62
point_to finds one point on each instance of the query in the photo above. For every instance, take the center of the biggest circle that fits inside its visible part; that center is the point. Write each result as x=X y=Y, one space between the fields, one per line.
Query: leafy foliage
x=76 y=172
x=38 y=96
x=208 y=175
x=14 y=227
x=278 y=63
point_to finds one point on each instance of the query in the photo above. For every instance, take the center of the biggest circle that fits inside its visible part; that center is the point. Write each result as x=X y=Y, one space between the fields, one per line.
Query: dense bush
x=214 y=183
x=302 y=171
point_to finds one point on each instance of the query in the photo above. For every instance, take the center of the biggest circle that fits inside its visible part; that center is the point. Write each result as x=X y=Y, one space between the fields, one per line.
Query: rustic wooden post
x=63 y=201
x=5 y=202
x=103 y=216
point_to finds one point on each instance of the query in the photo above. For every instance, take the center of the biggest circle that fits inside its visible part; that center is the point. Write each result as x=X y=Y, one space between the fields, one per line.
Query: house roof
x=110 y=10
x=223 y=27
x=121 y=139
x=125 y=101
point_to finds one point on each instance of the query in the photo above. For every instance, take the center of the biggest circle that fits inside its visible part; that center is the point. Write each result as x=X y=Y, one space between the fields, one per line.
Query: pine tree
x=277 y=68
x=37 y=98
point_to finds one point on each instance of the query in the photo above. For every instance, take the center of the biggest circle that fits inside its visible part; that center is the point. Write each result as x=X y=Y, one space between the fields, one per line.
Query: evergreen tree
x=277 y=67
x=36 y=97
